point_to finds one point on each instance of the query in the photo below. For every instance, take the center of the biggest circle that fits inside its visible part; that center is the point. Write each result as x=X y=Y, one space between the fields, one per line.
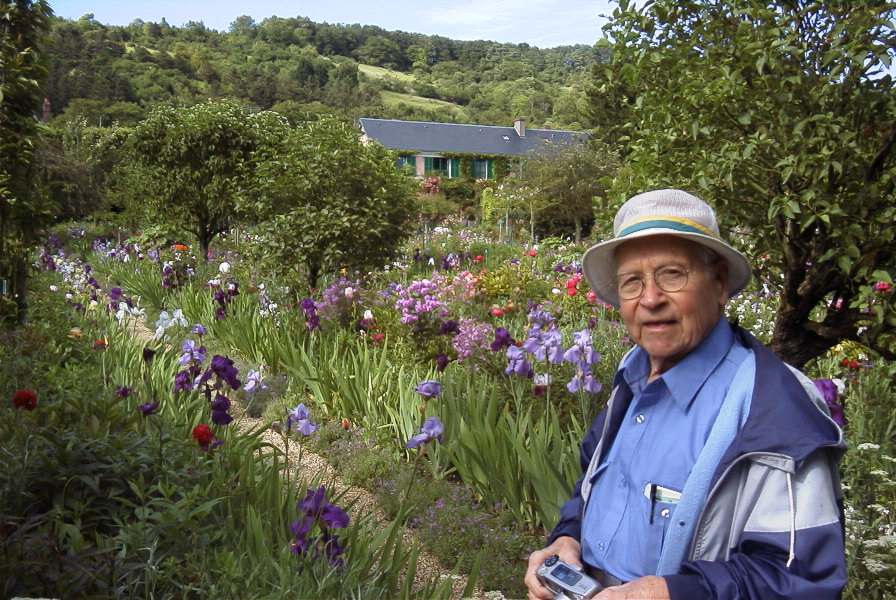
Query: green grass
x=393 y=98
x=380 y=72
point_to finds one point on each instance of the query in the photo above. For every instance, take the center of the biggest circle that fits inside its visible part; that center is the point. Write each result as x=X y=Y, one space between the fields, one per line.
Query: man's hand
x=567 y=548
x=645 y=588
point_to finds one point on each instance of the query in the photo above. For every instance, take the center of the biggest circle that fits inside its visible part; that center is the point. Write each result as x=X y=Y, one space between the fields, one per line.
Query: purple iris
x=503 y=339
x=198 y=329
x=316 y=510
x=183 y=382
x=830 y=393
x=123 y=391
x=148 y=408
x=254 y=381
x=517 y=363
x=429 y=388
x=449 y=327
x=300 y=417
x=431 y=430
x=442 y=362
x=220 y=405
x=115 y=294
x=223 y=368
x=545 y=345
x=192 y=352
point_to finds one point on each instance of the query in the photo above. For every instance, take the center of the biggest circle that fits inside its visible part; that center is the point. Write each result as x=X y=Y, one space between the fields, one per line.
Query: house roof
x=424 y=136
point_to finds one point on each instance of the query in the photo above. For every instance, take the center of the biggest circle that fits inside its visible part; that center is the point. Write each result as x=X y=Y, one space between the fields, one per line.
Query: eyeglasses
x=668 y=279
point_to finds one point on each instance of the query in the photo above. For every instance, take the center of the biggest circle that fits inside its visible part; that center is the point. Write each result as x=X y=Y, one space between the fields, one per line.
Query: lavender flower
x=199 y=330
x=472 y=338
x=431 y=430
x=830 y=392
x=301 y=418
x=429 y=388
x=254 y=381
x=192 y=352
x=517 y=363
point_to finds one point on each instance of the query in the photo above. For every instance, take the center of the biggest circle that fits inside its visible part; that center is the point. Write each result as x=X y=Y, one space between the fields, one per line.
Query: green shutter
x=454 y=170
x=489 y=169
x=427 y=165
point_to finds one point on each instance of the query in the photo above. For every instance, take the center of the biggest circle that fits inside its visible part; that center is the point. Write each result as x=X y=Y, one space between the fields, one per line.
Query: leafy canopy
x=782 y=115
x=327 y=201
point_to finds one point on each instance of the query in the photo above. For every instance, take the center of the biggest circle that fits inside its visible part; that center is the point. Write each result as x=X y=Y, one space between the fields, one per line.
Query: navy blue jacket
x=772 y=524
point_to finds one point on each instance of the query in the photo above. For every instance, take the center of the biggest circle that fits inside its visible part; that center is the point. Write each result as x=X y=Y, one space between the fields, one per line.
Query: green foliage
x=328 y=201
x=192 y=163
x=787 y=128
x=24 y=209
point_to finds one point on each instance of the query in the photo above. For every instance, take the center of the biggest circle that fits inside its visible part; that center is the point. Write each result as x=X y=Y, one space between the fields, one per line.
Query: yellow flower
x=75 y=333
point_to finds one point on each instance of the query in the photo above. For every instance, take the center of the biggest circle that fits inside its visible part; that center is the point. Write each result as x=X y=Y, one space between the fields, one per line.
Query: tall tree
x=783 y=115
x=23 y=208
x=188 y=165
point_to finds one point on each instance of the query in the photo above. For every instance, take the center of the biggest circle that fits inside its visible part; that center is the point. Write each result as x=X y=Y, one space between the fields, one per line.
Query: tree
x=188 y=165
x=23 y=207
x=570 y=179
x=327 y=201
x=781 y=114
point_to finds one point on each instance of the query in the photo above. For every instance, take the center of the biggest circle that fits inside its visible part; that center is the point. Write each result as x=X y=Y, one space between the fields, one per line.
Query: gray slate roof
x=424 y=136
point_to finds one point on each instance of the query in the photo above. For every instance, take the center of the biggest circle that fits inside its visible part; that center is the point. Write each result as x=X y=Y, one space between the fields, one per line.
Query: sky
x=542 y=23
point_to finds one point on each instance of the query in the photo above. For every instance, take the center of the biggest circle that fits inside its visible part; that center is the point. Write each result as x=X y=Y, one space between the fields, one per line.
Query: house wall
x=420 y=165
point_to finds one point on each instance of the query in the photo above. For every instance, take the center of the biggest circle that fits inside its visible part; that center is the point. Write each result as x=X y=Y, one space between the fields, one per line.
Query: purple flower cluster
x=222 y=295
x=315 y=510
x=220 y=372
x=46 y=260
x=583 y=356
x=473 y=339
x=429 y=388
x=339 y=300
x=420 y=299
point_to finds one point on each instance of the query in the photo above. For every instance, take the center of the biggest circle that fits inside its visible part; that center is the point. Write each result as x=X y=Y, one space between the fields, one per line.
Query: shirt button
x=665 y=513
x=640 y=419
x=601 y=545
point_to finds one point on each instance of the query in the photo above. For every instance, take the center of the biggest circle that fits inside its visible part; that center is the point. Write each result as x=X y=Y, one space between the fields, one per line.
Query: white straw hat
x=661 y=212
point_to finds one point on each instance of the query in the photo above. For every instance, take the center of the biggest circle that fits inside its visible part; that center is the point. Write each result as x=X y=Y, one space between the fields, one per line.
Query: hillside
x=108 y=73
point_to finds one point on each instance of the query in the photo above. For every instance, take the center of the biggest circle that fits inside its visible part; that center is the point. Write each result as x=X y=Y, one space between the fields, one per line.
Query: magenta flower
x=830 y=393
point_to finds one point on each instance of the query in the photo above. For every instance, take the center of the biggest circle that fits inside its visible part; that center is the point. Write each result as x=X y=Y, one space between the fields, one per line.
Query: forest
x=295 y=66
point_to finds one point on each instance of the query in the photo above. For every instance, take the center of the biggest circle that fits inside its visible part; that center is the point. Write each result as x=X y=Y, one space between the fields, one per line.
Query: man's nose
x=652 y=295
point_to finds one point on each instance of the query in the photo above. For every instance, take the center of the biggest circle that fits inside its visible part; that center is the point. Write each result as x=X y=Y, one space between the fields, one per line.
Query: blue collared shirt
x=664 y=430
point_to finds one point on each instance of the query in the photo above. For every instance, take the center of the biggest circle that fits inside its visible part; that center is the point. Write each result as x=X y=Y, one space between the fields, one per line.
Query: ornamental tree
x=327 y=201
x=188 y=165
x=782 y=115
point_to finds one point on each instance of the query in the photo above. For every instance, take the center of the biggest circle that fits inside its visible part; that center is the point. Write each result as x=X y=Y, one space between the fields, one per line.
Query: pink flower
x=497 y=311
x=591 y=297
x=882 y=287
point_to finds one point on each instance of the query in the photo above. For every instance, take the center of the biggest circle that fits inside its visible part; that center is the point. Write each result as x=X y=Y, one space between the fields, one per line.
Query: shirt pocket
x=659 y=513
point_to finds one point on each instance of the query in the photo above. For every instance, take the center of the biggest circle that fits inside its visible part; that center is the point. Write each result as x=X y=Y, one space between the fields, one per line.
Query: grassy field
x=393 y=98
x=379 y=73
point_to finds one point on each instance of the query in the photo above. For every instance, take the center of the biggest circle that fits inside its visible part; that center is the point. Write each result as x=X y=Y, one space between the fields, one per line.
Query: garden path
x=361 y=501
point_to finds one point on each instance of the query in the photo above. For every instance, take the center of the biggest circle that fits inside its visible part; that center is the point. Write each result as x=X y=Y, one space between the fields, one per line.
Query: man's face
x=668 y=325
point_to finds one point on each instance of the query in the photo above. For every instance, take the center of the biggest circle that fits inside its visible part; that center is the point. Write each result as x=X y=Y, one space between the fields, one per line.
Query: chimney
x=519 y=124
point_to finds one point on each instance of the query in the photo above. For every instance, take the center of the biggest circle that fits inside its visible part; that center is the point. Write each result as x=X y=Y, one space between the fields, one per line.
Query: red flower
x=850 y=363
x=882 y=287
x=497 y=311
x=203 y=435
x=478 y=258
x=346 y=424
x=181 y=247
x=25 y=399
x=100 y=344
x=532 y=252
x=572 y=285
x=377 y=338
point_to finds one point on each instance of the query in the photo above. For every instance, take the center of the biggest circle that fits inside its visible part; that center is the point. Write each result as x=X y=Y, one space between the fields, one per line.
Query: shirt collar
x=686 y=378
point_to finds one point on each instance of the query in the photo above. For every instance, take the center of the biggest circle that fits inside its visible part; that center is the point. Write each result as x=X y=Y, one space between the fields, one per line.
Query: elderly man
x=712 y=472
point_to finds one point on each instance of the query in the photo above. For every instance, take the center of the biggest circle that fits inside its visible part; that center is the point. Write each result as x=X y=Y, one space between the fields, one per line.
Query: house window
x=407 y=162
x=442 y=166
x=483 y=169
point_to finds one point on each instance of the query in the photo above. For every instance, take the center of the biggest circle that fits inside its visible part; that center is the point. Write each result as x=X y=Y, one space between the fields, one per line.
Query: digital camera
x=567 y=582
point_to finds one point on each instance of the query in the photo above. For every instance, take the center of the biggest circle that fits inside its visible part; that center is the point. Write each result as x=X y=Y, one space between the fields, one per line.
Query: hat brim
x=599 y=264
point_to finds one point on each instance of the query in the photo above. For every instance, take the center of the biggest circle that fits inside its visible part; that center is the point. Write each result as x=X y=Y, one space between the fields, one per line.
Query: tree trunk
x=20 y=287
x=577 y=220
x=793 y=342
x=205 y=241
